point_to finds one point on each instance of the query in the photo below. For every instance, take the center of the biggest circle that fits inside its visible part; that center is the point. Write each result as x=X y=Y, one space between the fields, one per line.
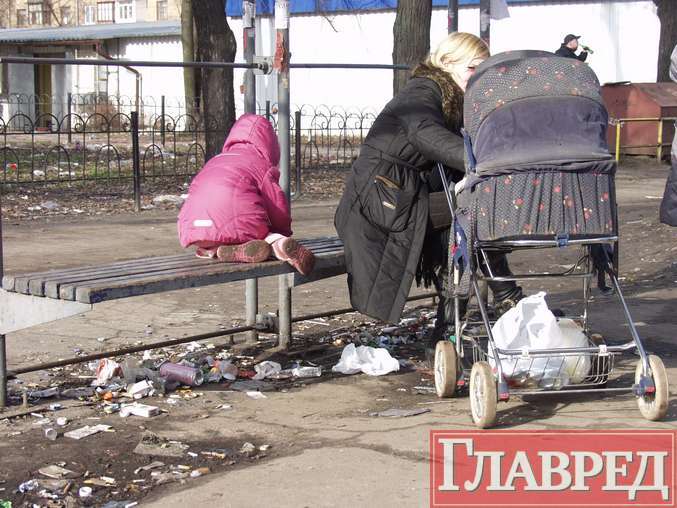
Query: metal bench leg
x=3 y=373
x=251 y=292
x=284 y=310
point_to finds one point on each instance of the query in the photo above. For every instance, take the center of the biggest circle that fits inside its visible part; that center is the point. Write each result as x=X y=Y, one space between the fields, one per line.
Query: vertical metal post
x=3 y=350
x=281 y=64
x=251 y=289
x=69 y=111
x=659 y=150
x=136 y=166
x=162 y=119
x=485 y=21
x=452 y=16
x=618 y=141
x=268 y=110
x=297 y=152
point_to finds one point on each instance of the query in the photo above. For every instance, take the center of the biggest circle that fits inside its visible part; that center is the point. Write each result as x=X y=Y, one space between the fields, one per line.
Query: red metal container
x=641 y=100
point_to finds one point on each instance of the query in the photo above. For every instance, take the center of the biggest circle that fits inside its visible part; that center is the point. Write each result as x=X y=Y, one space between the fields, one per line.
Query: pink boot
x=254 y=251
x=289 y=250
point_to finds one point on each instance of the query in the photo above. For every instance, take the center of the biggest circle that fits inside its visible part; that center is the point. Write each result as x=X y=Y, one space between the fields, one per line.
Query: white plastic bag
x=266 y=369
x=531 y=325
x=371 y=361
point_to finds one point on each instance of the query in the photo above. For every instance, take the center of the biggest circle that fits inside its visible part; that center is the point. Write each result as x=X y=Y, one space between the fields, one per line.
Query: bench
x=36 y=298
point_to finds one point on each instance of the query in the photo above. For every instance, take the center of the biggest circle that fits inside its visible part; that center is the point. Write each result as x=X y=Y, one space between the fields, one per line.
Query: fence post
x=162 y=119
x=268 y=110
x=659 y=150
x=251 y=289
x=281 y=64
x=297 y=152
x=3 y=350
x=69 y=111
x=136 y=166
x=618 y=141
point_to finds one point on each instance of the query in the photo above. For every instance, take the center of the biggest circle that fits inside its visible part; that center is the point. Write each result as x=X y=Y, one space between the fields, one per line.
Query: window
x=125 y=11
x=162 y=10
x=21 y=17
x=105 y=12
x=66 y=16
x=37 y=14
x=90 y=14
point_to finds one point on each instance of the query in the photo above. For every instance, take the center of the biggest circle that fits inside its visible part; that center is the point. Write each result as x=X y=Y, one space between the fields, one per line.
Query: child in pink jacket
x=236 y=210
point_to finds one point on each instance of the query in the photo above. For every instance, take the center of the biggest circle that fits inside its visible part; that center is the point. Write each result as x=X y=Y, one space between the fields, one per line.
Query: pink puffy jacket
x=236 y=196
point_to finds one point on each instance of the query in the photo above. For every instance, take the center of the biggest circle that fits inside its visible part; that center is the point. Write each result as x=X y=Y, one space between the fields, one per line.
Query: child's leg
x=288 y=249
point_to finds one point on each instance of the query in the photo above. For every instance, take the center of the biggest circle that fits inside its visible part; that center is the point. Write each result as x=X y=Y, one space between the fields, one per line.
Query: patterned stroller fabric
x=538 y=166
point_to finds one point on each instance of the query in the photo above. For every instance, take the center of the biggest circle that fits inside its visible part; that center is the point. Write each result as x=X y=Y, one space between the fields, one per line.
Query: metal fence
x=93 y=139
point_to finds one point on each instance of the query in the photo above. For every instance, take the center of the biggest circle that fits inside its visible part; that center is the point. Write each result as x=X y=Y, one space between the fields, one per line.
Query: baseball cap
x=571 y=37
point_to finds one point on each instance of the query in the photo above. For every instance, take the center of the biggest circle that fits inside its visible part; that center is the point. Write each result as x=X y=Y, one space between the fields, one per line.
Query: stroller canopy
x=532 y=108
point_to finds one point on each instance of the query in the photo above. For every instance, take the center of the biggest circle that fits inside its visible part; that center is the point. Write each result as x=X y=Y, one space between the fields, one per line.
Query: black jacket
x=569 y=53
x=383 y=213
x=668 y=210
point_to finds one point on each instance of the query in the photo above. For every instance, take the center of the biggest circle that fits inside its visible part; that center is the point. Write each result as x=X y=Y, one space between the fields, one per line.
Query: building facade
x=65 y=13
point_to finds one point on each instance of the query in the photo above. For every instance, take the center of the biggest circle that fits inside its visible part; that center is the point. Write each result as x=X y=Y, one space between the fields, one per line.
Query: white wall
x=623 y=34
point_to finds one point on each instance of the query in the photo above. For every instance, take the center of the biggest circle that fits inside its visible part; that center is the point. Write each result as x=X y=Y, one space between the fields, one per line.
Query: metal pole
x=618 y=141
x=251 y=289
x=485 y=21
x=162 y=119
x=135 y=160
x=3 y=350
x=281 y=64
x=297 y=152
x=452 y=16
x=69 y=111
x=659 y=150
x=268 y=110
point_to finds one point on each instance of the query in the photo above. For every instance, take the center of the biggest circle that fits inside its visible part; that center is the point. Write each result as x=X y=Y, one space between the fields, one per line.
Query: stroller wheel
x=483 y=398
x=446 y=369
x=654 y=406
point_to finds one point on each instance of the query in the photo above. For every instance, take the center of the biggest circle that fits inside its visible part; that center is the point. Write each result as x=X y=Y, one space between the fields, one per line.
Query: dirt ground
x=315 y=441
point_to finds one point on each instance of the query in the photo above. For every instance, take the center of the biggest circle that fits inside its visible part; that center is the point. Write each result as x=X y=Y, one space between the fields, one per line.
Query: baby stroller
x=539 y=175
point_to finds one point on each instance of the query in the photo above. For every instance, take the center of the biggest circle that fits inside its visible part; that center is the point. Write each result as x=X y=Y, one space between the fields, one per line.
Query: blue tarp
x=264 y=7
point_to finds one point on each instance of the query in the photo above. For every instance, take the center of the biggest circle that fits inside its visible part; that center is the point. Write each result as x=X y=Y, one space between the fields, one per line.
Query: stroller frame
x=462 y=358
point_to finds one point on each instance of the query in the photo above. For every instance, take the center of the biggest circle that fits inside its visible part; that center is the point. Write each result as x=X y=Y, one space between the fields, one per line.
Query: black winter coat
x=567 y=52
x=383 y=214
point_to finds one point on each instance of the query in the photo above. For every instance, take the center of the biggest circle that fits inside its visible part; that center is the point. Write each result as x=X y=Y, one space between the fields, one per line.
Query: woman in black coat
x=384 y=216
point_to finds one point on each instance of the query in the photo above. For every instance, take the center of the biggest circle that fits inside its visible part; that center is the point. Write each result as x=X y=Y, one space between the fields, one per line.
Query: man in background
x=570 y=46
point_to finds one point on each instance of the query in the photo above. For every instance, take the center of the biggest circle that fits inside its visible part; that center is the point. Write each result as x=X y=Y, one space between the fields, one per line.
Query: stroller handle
x=447 y=192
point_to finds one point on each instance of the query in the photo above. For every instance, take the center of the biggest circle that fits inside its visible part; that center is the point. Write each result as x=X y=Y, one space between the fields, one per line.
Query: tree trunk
x=667 y=13
x=188 y=56
x=411 y=37
x=215 y=43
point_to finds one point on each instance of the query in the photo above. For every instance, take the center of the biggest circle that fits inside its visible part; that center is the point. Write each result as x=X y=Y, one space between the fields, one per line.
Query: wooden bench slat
x=20 y=282
x=92 y=284
x=65 y=287
x=171 y=280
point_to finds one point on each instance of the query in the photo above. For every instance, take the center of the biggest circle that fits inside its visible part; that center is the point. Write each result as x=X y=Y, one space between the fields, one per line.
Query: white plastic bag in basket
x=531 y=325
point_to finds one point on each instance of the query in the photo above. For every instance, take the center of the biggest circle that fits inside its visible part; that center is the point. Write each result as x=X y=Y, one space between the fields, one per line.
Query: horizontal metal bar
x=520 y=393
x=642 y=119
x=147 y=63
x=538 y=276
x=545 y=243
x=580 y=350
x=183 y=340
x=347 y=66
x=125 y=63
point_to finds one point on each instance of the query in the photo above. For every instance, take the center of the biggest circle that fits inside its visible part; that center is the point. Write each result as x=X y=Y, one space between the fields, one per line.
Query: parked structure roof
x=90 y=32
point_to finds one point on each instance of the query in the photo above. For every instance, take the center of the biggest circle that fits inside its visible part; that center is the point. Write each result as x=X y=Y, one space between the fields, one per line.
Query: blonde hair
x=457 y=48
